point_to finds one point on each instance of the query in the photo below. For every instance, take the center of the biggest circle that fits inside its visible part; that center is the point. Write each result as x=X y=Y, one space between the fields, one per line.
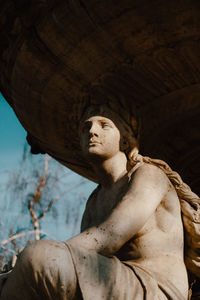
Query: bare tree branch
x=34 y=187
x=9 y=250
x=51 y=203
x=21 y=234
x=42 y=181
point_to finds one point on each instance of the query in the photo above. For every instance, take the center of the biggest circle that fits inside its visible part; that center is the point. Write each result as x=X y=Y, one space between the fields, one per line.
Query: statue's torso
x=158 y=246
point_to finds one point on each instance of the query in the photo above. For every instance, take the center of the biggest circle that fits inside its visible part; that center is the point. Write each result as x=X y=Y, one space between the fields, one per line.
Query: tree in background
x=32 y=196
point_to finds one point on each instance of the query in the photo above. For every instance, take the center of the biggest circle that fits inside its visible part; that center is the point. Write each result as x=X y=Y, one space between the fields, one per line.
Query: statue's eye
x=105 y=125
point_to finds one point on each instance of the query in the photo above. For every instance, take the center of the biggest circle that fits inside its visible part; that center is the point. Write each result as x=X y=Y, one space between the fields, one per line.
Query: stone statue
x=131 y=244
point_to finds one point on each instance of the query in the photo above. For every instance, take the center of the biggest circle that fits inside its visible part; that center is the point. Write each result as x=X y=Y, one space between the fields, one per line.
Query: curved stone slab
x=140 y=57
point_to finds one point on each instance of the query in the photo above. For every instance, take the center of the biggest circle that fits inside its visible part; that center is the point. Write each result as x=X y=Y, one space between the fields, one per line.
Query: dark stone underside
x=140 y=57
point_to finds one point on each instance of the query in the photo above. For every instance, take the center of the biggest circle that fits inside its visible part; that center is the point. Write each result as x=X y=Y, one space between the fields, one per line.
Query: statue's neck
x=111 y=170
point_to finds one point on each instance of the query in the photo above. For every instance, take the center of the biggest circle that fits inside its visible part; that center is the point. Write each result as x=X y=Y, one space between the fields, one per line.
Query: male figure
x=131 y=244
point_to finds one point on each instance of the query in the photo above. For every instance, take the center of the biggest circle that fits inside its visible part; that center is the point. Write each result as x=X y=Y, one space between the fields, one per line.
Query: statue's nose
x=93 y=131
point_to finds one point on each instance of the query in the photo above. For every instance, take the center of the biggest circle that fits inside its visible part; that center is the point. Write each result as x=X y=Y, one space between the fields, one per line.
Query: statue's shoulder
x=148 y=176
x=148 y=171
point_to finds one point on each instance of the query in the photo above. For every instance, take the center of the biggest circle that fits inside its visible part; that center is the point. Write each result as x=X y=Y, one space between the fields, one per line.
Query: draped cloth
x=108 y=278
x=98 y=278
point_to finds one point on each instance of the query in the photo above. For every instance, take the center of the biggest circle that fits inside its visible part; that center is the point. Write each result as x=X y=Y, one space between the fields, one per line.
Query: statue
x=131 y=244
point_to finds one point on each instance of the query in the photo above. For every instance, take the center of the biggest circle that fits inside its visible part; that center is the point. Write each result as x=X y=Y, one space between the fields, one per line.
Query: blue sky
x=12 y=140
x=12 y=137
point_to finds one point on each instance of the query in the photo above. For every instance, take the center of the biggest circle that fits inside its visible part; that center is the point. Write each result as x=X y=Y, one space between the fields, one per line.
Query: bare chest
x=161 y=234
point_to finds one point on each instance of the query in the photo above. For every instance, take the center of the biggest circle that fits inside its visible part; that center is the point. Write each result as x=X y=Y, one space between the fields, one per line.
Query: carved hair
x=190 y=208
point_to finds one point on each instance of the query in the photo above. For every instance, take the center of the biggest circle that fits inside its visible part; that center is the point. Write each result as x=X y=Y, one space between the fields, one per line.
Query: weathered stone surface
x=140 y=57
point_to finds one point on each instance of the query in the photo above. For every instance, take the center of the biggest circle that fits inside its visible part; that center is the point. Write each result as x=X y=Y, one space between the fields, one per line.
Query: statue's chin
x=94 y=154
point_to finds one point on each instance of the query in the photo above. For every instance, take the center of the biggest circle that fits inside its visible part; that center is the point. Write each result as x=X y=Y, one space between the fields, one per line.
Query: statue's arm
x=148 y=187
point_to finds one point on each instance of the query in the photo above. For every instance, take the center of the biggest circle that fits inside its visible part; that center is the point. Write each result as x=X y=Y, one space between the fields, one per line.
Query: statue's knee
x=47 y=267
x=44 y=254
x=34 y=255
x=47 y=257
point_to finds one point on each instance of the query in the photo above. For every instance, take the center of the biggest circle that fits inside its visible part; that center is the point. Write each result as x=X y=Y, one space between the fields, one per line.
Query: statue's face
x=100 y=137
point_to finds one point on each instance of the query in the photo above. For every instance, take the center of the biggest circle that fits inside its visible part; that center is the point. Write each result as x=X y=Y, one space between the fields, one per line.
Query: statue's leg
x=43 y=270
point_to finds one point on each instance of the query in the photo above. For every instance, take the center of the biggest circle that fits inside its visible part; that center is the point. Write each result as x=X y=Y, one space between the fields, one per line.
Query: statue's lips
x=93 y=143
